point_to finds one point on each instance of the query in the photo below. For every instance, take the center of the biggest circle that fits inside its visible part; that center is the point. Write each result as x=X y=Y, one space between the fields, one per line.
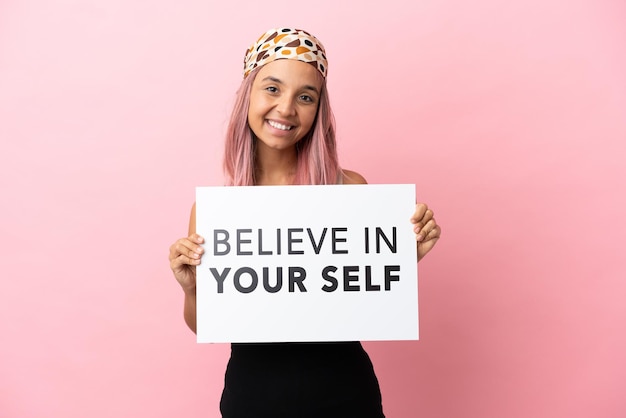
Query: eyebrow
x=278 y=81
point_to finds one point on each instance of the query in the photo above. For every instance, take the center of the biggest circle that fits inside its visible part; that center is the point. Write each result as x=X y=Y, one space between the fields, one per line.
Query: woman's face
x=283 y=102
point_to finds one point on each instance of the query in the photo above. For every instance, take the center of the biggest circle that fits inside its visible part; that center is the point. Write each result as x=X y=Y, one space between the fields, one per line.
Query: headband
x=285 y=43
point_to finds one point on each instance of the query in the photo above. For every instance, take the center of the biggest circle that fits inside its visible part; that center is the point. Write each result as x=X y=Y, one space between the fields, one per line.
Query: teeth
x=279 y=125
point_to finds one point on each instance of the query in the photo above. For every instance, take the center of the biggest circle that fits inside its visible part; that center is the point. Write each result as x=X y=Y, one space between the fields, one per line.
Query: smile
x=279 y=125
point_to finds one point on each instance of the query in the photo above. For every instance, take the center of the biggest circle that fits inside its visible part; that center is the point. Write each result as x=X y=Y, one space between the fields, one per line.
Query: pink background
x=509 y=116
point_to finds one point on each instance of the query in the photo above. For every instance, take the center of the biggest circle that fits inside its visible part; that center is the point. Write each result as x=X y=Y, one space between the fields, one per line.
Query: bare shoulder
x=352 y=177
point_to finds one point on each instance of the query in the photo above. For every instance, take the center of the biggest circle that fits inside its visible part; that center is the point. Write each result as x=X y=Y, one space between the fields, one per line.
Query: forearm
x=190 y=309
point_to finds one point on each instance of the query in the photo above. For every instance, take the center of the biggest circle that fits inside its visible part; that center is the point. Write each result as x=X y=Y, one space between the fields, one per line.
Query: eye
x=306 y=98
x=271 y=89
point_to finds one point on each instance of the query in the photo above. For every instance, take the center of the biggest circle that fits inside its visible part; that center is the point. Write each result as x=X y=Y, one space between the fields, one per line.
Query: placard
x=306 y=263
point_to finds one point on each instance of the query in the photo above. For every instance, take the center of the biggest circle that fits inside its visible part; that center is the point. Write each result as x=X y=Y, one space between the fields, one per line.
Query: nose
x=286 y=105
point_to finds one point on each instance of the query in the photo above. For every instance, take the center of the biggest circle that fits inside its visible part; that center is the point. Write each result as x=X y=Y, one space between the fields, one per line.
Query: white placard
x=346 y=256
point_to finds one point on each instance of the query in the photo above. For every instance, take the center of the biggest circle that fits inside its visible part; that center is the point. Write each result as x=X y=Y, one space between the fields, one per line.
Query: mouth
x=280 y=126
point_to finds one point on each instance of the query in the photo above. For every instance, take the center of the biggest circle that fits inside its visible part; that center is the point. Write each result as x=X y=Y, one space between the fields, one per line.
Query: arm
x=185 y=255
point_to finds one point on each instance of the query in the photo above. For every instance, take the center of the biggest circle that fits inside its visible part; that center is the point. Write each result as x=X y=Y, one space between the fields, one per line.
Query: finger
x=420 y=210
x=426 y=231
x=182 y=260
x=421 y=217
x=434 y=233
x=421 y=223
x=186 y=247
x=190 y=250
x=430 y=238
x=190 y=242
x=429 y=227
x=196 y=238
x=427 y=244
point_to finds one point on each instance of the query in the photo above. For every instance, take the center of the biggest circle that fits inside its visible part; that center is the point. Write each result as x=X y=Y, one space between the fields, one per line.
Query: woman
x=282 y=132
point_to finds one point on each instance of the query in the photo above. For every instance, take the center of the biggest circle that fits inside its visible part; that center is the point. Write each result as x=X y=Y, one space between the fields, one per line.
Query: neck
x=275 y=167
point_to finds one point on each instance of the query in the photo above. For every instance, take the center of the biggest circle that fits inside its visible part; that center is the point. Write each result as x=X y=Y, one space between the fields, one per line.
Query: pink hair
x=317 y=151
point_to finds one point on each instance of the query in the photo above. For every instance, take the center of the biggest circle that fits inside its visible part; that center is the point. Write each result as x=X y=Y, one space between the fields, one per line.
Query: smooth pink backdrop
x=509 y=116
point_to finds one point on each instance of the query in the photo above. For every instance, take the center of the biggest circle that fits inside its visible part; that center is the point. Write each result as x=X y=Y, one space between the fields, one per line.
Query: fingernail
x=418 y=237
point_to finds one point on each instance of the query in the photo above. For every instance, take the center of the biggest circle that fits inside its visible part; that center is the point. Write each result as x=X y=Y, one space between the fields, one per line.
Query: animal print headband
x=286 y=43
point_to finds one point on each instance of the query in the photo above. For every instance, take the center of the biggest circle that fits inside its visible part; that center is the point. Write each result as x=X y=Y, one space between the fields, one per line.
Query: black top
x=298 y=380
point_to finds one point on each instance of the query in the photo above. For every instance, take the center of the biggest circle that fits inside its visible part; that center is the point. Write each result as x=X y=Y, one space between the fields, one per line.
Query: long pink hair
x=317 y=151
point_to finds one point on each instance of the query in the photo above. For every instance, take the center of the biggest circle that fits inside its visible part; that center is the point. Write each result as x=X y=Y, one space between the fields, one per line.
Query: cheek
x=256 y=115
x=254 y=118
x=310 y=118
x=255 y=105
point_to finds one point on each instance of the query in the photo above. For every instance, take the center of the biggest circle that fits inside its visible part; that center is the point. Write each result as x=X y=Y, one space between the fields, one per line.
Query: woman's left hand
x=427 y=232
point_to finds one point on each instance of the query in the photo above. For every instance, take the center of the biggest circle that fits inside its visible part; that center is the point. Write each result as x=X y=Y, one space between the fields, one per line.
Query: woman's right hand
x=185 y=255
